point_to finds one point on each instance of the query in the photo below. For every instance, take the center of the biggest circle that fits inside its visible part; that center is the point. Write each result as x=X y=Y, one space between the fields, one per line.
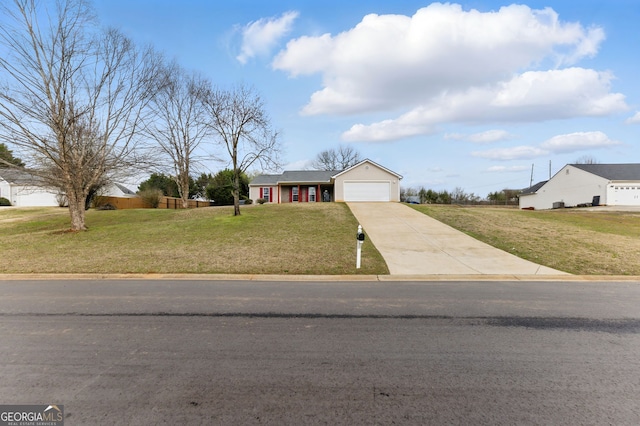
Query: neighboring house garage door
x=624 y=195
x=366 y=191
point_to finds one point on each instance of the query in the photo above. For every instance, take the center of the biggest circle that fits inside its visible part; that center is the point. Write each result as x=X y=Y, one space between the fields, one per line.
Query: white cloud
x=532 y=96
x=572 y=142
x=299 y=165
x=446 y=64
x=388 y=61
x=633 y=120
x=514 y=153
x=261 y=36
x=578 y=142
x=486 y=137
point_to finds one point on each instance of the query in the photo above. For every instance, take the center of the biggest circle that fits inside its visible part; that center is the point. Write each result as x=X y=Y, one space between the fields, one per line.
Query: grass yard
x=314 y=238
x=572 y=240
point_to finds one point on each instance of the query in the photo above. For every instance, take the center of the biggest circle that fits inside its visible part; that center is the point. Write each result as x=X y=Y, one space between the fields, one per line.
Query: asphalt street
x=138 y=352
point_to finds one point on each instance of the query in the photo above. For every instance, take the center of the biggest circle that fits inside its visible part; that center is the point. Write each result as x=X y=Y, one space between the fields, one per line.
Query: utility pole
x=531 y=180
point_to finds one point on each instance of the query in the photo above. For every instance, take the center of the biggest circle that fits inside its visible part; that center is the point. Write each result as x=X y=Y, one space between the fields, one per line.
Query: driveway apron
x=413 y=243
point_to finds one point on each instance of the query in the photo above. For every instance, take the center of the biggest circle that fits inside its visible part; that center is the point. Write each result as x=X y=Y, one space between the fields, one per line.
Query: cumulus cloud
x=514 y=153
x=529 y=97
x=445 y=64
x=633 y=120
x=261 y=37
x=486 y=137
x=572 y=142
x=578 y=142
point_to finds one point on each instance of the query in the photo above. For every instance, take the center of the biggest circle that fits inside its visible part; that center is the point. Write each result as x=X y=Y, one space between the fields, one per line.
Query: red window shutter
x=260 y=193
x=271 y=195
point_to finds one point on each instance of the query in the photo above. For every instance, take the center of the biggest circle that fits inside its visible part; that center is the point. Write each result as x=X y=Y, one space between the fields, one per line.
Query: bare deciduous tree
x=337 y=159
x=177 y=123
x=240 y=122
x=586 y=159
x=72 y=96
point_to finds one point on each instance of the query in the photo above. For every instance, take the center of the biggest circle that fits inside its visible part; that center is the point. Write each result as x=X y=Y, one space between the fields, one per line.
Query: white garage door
x=625 y=195
x=366 y=191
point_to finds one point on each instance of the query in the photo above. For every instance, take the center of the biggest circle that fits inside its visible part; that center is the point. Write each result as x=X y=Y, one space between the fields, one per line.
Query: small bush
x=99 y=201
x=151 y=197
x=4 y=202
x=261 y=201
x=107 y=206
x=248 y=201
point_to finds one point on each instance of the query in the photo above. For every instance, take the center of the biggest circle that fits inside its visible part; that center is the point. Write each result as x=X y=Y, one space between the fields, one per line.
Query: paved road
x=413 y=243
x=200 y=352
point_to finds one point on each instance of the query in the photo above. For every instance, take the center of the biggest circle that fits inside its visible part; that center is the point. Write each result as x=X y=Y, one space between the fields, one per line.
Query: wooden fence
x=121 y=203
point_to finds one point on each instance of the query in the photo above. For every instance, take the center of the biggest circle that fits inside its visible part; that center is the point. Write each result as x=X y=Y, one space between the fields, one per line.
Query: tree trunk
x=185 y=199
x=76 y=211
x=236 y=192
x=183 y=188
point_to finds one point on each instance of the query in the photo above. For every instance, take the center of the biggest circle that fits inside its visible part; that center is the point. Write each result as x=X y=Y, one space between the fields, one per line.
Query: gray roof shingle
x=612 y=171
x=296 y=176
x=533 y=189
x=19 y=177
x=265 y=180
x=307 y=176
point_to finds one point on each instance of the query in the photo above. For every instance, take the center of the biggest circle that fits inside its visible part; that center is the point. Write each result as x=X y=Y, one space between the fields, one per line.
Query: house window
x=265 y=194
x=312 y=194
x=294 y=193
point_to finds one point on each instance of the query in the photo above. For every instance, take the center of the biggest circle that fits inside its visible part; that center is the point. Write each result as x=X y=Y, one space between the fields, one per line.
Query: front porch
x=305 y=193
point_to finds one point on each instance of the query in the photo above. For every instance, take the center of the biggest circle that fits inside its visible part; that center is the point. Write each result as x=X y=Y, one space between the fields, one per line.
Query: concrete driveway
x=415 y=244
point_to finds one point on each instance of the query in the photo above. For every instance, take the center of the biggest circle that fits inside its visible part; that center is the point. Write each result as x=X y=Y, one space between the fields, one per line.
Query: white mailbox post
x=360 y=240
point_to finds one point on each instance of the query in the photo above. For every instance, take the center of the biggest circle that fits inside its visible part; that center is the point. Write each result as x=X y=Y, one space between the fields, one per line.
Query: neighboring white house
x=117 y=190
x=365 y=181
x=22 y=189
x=579 y=184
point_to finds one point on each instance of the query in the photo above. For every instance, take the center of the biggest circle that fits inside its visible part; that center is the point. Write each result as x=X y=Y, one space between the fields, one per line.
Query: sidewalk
x=415 y=244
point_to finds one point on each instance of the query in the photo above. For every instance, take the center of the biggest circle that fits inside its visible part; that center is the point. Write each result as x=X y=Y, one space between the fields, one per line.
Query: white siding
x=25 y=196
x=255 y=193
x=570 y=185
x=4 y=189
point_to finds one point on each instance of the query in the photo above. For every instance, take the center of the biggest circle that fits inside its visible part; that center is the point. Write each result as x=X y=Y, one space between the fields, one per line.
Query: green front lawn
x=577 y=241
x=314 y=238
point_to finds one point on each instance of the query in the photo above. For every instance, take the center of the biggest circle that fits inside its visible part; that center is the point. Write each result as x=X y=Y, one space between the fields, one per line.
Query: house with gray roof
x=365 y=181
x=584 y=184
x=23 y=189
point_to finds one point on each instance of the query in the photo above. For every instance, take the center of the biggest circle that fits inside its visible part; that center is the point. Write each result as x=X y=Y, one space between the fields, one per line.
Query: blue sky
x=468 y=94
